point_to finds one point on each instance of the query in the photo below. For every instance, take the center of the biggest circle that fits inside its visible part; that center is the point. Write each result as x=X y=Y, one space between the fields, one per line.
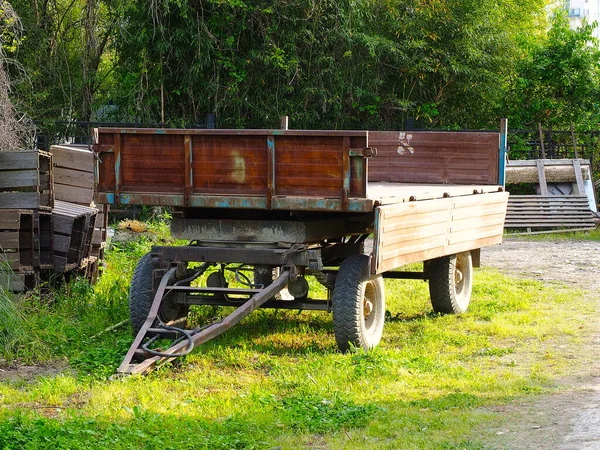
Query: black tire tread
x=140 y=293
x=441 y=289
x=353 y=271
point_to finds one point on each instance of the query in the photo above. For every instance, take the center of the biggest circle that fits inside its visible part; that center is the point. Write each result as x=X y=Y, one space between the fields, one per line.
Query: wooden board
x=19 y=179
x=434 y=157
x=74 y=158
x=422 y=230
x=19 y=160
x=74 y=194
x=26 y=180
x=71 y=177
x=549 y=212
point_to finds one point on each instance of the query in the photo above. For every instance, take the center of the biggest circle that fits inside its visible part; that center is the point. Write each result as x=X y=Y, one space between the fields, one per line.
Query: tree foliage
x=558 y=82
x=326 y=64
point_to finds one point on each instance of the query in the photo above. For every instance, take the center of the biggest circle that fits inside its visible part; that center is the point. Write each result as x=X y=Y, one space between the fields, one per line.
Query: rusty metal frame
x=298 y=256
x=195 y=337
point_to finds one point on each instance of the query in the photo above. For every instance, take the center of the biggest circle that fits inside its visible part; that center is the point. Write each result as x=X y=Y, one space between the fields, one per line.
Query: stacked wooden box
x=26 y=201
x=49 y=225
x=75 y=184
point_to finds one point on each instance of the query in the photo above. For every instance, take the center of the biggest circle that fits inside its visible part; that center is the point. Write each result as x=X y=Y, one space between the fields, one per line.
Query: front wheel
x=358 y=305
x=450 y=283
x=141 y=296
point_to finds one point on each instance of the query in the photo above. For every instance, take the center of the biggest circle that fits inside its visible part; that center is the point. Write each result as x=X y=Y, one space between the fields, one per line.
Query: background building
x=578 y=10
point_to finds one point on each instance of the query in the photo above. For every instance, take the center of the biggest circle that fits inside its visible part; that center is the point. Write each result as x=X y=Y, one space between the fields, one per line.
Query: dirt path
x=569 y=420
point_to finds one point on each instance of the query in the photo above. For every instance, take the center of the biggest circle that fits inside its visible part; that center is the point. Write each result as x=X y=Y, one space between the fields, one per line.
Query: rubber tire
x=349 y=325
x=141 y=296
x=447 y=296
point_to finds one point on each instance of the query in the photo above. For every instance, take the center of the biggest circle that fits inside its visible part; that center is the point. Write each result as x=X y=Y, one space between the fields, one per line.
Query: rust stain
x=238 y=175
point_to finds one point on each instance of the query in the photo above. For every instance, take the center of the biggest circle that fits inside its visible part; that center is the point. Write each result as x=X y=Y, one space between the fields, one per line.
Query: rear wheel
x=450 y=283
x=141 y=296
x=358 y=305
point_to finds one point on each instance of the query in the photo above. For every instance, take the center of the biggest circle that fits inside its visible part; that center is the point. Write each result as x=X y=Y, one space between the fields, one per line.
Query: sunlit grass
x=277 y=379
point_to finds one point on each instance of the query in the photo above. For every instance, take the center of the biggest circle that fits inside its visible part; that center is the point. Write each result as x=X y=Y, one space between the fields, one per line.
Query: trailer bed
x=422 y=194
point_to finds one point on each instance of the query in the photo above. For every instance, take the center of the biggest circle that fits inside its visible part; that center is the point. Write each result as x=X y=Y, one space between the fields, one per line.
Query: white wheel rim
x=461 y=281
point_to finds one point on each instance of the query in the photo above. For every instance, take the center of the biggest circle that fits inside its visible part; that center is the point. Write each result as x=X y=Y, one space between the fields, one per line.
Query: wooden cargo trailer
x=298 y=203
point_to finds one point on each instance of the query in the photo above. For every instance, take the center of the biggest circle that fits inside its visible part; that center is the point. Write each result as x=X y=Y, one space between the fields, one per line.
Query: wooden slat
x=10 y=259
x=542 y=177
x=72 y=177
x=9 y=220
x=73 y=194
x=578 y=177
x=14 y=282
x=9 y=239
x=20 y=160
x=61 y=243
x=548 y=212
x=19 y=179
x=73 y=158
x=20 y=200
x=442 y=226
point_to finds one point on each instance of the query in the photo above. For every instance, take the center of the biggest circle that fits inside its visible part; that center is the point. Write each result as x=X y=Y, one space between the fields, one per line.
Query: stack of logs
x=49 y=226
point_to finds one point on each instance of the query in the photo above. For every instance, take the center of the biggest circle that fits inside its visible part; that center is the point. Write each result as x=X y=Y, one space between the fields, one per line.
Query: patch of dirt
x=19 y=372
x=575 y=263
x=570 y=419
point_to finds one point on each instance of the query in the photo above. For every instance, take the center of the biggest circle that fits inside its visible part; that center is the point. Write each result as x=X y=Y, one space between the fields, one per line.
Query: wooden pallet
x=549 y=212
x=74 y=179
x=26 y=180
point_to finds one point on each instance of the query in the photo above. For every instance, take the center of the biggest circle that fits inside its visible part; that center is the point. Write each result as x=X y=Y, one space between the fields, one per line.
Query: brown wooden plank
x=9 y=239
x=73 y=194
x=18 y=160
x=72 y=158
x=19 y=179
x=11 y=260
x=61 y=243
x=427 y=157
x=9 y=219
x=74 y=177
x=13 y=282
x=578 y=177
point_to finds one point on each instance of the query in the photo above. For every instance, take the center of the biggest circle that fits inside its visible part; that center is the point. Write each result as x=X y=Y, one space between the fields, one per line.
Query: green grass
x=276 y=380
x=592 y=235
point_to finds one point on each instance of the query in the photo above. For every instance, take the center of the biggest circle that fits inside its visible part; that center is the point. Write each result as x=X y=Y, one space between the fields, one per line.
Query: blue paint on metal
x=110 y=198
x=117 y=172
x=503 y=151
x=271 y=146
x=375 y=260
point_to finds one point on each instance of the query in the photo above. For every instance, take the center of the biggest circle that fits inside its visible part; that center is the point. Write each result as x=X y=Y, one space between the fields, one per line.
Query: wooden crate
x=26 y=180
x=17 y=248
x=43 y=239
x=73 y=173
x=73 y=227
x=18 y=281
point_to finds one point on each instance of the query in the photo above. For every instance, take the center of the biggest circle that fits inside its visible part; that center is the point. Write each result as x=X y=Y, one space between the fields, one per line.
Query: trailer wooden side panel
x=434 y=157
x=422 y=230
x=256 y=169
